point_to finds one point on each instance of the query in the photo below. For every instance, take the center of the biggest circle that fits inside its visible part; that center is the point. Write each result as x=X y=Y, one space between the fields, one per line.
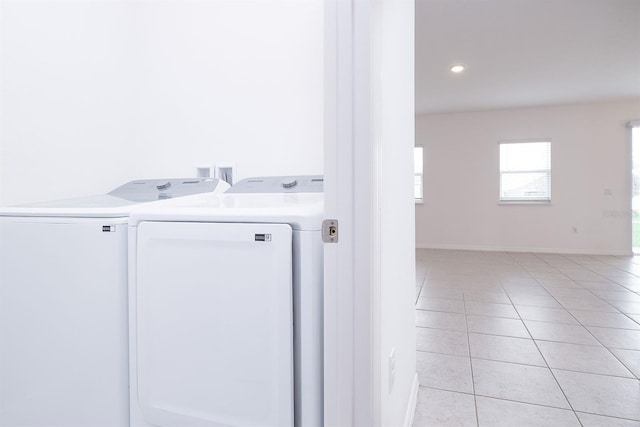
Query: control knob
x=289 y=182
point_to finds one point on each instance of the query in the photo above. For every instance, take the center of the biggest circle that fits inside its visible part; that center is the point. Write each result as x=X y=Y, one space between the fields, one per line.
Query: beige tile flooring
x=521 y=339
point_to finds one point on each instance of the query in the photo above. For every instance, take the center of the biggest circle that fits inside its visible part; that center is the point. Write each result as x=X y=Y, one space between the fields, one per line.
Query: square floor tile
x=582 y=358
x=504 y=413
x=532 y=291
x=480 y=288
x=630 y=358
x=584 y=275
x=583 y=311
x=444 y=408
x=440 y=304
x=590 y=420
x=559 y=332
x=601 y=285
x=606 y=320
x=601 y=394
x=617 y=295
x=490 y=309
x=497 y=326
x=562 y=293
x=617 y=338
x=441 y=320
x=546 y=314
x=629 y=281
x=519 y=281
x=521 y=383
x=497 y=297
x=592 y=304
x=626 y=307
x=505 y=349
x=548 y=275
x=601 y=268
x=444 y=372
x=615 y=275
x=555 y=283
x=633 y=288
x=431 y=291
x=535 y=301
x=442 y=341
x=541 y=268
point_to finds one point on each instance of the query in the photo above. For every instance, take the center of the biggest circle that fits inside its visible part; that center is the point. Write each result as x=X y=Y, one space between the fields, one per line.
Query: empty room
x=527 y=287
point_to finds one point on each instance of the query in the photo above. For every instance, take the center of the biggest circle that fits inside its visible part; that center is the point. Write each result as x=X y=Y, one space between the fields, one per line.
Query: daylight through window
x=417 y=174
x=525 y=171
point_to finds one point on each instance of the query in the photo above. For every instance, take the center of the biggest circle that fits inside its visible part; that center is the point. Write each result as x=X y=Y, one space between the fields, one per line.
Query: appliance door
x=63 y=322
x=213 y=326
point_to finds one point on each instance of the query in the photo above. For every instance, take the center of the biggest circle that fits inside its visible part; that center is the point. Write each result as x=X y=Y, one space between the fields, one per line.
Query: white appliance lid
x=280 y=184
x=303 y=211
x=117 y=203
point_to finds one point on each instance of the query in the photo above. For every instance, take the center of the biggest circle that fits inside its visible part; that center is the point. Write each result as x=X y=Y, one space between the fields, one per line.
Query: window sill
x=525 y=202
x=419 y=201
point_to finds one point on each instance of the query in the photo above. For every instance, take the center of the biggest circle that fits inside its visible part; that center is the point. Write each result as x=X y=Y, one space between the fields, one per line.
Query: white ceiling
x=525 y=52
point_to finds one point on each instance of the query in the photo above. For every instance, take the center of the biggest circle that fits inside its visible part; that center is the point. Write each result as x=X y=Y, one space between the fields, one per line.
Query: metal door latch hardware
x=330 y=231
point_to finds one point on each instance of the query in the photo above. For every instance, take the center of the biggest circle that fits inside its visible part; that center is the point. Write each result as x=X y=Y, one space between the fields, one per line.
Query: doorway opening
x=635 y=185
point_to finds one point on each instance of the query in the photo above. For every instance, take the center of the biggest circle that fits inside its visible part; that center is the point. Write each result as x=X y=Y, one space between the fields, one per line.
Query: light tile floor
x=520 y=339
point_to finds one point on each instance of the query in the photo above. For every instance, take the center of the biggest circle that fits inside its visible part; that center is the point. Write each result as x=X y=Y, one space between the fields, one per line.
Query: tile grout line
x=582 y=287
x=522 y=270
x=544 y=358
x=473 y=383
x=520 y=401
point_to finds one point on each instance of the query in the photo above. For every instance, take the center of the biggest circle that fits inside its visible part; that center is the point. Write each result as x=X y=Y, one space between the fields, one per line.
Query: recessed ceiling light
x=457 y=68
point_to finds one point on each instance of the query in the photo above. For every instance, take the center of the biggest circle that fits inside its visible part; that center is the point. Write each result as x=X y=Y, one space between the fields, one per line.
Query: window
x=635 y=185
x=417 y=174
x=525 y=171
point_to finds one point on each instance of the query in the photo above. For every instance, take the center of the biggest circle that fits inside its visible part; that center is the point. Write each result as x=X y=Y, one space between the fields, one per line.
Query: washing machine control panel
x=280 y=184
x=148 y=190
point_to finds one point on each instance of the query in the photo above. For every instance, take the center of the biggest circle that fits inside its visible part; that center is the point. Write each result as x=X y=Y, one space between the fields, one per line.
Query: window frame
x=524 y=201
x=418 y=201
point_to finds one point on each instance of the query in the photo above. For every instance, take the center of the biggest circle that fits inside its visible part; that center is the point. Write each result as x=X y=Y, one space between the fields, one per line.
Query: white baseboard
x=526 y=249
x=413 y=401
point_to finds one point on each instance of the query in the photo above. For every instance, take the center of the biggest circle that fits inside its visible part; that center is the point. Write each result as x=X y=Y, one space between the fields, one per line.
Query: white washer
x=63 y=306
x=225 y=300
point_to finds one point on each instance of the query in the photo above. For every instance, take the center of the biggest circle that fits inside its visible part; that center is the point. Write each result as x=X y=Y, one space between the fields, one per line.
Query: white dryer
x=225 y=300
x=63 y=306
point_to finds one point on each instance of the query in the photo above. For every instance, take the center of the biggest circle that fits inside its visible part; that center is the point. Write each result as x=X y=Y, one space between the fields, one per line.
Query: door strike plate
x=330 y=231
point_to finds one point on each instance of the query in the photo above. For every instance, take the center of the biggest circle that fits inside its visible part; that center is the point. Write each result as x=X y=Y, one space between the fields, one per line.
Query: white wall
x=65 y=99
x=393 y=126
x=230 y=81
x=590 y=153
x=109 y=91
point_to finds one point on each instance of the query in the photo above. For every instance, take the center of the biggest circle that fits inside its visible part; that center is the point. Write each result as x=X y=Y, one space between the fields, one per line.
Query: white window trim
x=420 y=201
x=544 y=202
x=525 y=202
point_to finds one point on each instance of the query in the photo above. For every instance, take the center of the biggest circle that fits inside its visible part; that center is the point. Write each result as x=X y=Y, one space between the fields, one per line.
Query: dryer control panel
x=280 y=184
